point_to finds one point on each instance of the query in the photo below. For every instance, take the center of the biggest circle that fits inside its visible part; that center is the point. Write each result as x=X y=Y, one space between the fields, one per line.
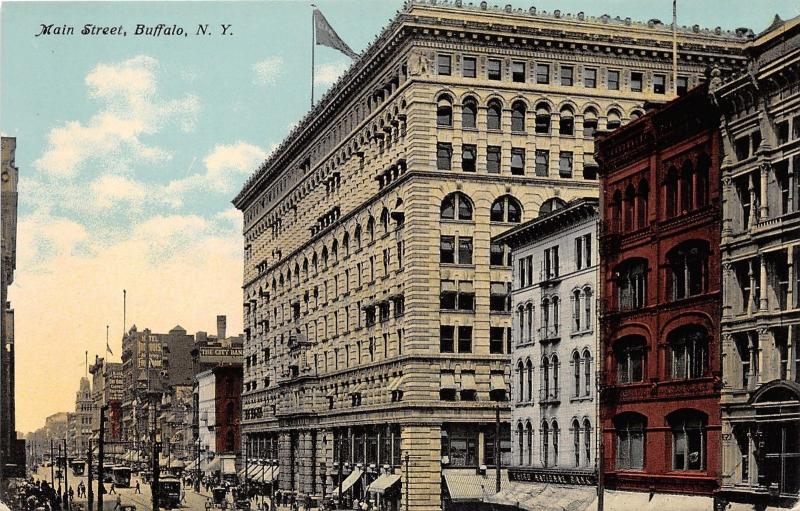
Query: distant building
x=219 y=405
x=12 y=449
x=761 y=272
x=81 y=431
x=554 y=352
x=107 y=389
x=661 y=300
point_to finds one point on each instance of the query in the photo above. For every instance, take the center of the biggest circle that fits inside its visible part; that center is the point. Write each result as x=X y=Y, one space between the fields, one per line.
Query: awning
x=468 y=381
x=448 y=286
x=331 y=392
x=177 y=464
x=544 y=496
x=349 y=481
x=466 y=485
x=211 y=466
x=357 y=388
x=497 y=382
x=641 y=501
x=448 y=381
x=192 y=465
x=383 y=483
x=397 y=383
x=498 y=289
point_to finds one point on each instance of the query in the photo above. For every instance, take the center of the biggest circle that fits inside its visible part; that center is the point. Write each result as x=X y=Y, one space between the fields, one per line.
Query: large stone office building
x=376 y=306
x=761 y=272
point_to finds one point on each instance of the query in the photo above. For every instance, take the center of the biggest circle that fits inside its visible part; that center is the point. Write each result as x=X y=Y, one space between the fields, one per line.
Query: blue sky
x=131 y=148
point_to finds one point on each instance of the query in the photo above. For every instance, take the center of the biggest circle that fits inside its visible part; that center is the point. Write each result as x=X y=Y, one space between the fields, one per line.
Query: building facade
x=219 y=404
x=107 y=389
x=554 y=344
x=661 y=298
x=456 y=124
x=81 y=431
x=761 y=268
x=12 y=449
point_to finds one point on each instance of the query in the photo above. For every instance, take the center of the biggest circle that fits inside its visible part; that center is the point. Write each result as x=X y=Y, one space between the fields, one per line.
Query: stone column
x=727 y=214
x=764 y=341
x=763 y=210
x=762 y=278
x=790 y=273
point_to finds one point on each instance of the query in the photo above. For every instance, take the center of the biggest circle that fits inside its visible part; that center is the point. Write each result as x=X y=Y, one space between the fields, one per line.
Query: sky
x=130 y=150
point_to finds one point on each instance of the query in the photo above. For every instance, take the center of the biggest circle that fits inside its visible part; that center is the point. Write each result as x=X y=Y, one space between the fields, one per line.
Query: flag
x=327 y=36
x=108 y=349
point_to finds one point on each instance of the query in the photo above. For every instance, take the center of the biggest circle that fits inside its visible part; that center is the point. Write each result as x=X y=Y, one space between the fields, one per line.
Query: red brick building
x=660 y=302
x=228 y=405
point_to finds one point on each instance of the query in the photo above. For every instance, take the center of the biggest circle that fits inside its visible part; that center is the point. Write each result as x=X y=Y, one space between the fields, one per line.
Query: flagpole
x=313 y=45
x=675 y=47
x=124 y=310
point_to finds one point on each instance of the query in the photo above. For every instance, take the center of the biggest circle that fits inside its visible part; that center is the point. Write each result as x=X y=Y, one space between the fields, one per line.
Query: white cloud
x=226 y=167
x=110 y=191
x=114 y=137
x=327 y=74
x=267 y=71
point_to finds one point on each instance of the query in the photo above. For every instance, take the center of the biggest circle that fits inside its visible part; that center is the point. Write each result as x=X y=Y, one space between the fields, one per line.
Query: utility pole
x=52 y=461
x=66 y=476
x=154 y=487
x=90 y=496
x=497 y=447
x=100 y=454
x=408 y=474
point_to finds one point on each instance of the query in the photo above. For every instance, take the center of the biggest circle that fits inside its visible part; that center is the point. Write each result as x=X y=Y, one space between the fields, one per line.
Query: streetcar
x=78 y=467
x=169 y=493
x=122 y=476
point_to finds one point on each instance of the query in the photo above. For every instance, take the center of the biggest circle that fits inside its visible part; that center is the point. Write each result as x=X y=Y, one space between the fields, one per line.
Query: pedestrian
x=112 y=488
x=138 y=488
x=118 y=505
x=71 y=493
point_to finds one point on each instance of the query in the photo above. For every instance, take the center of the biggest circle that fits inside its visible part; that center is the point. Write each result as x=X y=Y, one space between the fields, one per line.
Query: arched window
x=556 y=313
x=629 y=354
x=529 y=309
x=614 y=119
x=576 y=311
x=371 y=229
x=456 y=206
x=576 y=366
x=494 y=115
x=551 y=205
x=444 y=111
x=545 y=434
x=521 y=323
x=542 y=119
x=335 y=250
x=687 y=190
x=701 y=181
x=630 y=441
x=576 y=442
x=545 y=393
x=545 y=315
x=529 y=434
x=518 y=117
x=631 y=278
x=520 y=442
x=688 y=352
x=469 y=113
x=314 y=264
x=630 y=196
x=641 y=204
x=520 y=382
x=587 y=308
x=555 y=388
x=324 y=257
x=635 y=115
x=506 y=209
x=688 y=440
x=616 y=204
x=357 y=236
x=671 y=192
x=555 y=432
x=385 y=220
x=566 y=122
x=688 y=269
x=529 y=371
x=587 y=443
x=589 y=122
x=346 y=244
x=587 y=373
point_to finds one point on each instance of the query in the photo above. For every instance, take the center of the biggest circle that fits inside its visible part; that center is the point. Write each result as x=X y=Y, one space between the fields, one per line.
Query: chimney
x=221 y=327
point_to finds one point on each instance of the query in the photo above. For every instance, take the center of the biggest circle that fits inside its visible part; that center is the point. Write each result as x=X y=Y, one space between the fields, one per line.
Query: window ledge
x=579 y=333
x=458 y=265
x=457 y=311
x=580 y=399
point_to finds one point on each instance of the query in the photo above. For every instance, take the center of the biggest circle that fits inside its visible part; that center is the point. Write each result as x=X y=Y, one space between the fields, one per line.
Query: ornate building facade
x=554 y=346
x=761 y=262
x=78 y=440
x=376 y=306
x=660 y=278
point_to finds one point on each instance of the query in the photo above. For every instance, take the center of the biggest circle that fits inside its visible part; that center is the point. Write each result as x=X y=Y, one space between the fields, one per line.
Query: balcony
x=549 y=333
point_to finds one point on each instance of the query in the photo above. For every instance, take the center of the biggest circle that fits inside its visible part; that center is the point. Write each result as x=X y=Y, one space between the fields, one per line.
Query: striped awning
x=383 y=483
x=544 y=496
x=641 y=501
x=466 y=485
x=349 y=481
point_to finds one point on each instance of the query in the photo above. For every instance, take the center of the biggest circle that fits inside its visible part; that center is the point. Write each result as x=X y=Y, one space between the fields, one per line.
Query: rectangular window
x=466 y=296
x=589 y=127
x=659 y=84
x=493 y=159
x=796 y=127
x=443 y=64
x=468 y=156
x=587 y=249
x=590 y=77
x=496 y=254
x=637 y=81
x=613 y=79
x=493 y=69
x=446 y=339
x=386 y=262
x=542 y=162
x=448 y=295
x=542 y=73
x=782 y=132
x=565 y=164
x=444 y=155
x=517 y=161
x=447 y=254
x=469 y=68
x=465 y=339
x=682 y=85
x=496 y=340
x=522 y=274
x=464 y=250
x=399 y=255
x=499 y=297
x=518 y=72
x=567 y=73
x=579 y=252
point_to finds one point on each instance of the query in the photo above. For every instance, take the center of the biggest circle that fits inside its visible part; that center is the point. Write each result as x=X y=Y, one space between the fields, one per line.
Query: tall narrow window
x=493 y=159
x=468 y=67
x=469 y=114
x=542 y=74
x=518 y=117
x=688 y=441
x=494 y=115
x=518 y=72
x=630 y=433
